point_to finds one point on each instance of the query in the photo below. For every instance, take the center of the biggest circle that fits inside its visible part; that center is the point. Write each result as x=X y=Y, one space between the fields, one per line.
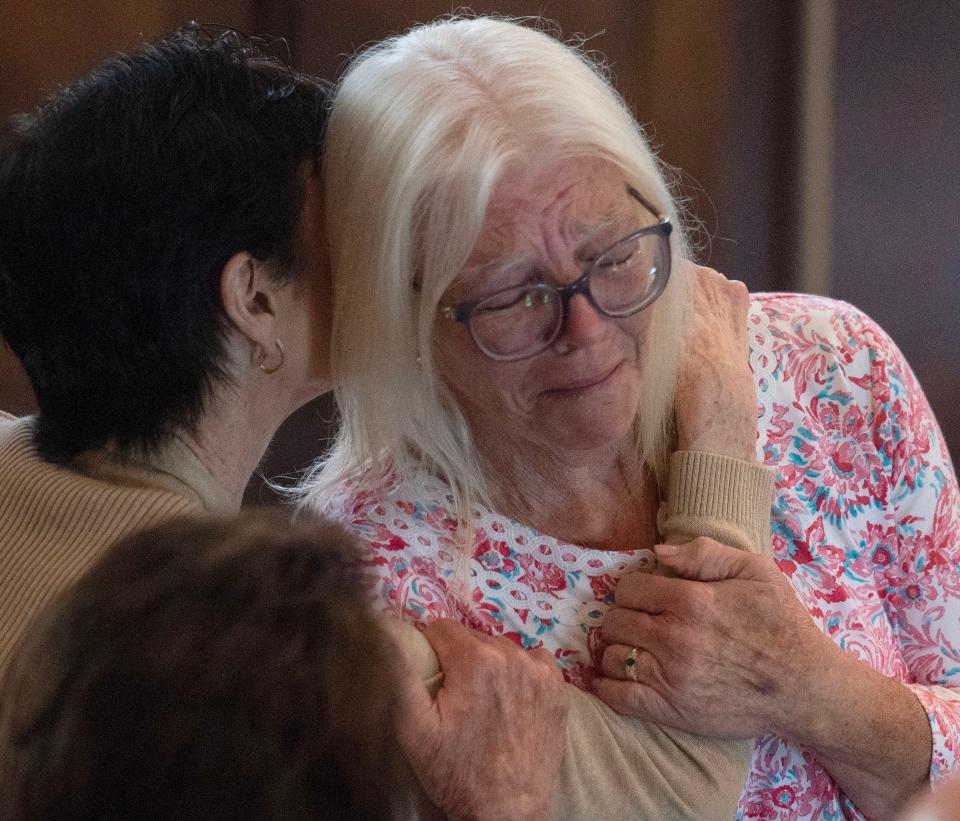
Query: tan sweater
x=55 y=521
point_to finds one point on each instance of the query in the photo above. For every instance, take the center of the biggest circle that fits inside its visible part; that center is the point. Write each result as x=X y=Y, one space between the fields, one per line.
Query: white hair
x=423 y=127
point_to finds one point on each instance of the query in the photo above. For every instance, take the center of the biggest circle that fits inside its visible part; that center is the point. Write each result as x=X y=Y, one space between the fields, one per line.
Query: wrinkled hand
x=716 y=401
x=724 y=648
x=491 y=744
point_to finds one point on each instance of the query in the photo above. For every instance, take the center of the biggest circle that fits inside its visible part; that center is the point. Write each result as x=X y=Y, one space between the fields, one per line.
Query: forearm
x=619 y=767
x=869 y=732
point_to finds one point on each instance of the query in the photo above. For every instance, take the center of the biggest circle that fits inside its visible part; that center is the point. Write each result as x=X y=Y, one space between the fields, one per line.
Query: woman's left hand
x=724 y=648
x=725 y=659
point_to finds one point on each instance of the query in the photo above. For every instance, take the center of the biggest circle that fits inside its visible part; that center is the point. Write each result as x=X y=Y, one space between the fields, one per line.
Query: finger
x=631 y=627
x=628 y=663
x=651 y=593
x=418 y=720
x=458 y=649
x=629 y=698
x=705 y=560
x=412 y=644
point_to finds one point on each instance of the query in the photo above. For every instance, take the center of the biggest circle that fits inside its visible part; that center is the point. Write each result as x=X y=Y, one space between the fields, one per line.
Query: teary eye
x=516 y=298
x=618 y=256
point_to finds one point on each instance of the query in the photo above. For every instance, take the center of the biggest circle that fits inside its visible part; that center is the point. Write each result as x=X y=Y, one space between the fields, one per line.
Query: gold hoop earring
x=263 y=357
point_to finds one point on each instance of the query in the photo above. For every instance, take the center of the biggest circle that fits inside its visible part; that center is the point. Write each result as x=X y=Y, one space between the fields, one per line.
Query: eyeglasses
x=524 y=320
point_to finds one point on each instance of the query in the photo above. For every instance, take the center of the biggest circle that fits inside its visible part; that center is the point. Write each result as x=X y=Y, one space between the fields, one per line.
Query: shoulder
x=386 y=500
x=809 y=345
x=18 y=452
x=828 y=323
x=841 y=415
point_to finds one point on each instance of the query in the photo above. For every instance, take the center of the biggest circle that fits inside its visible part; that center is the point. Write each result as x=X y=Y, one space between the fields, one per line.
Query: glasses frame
x=463 y=311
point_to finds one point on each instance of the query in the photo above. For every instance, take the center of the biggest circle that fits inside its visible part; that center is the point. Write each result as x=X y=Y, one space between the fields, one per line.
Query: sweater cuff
x=721 y=497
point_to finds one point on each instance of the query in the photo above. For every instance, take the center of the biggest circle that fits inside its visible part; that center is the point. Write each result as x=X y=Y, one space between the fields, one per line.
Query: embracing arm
x=615 y=766
x=716 y=486
x=612 y=766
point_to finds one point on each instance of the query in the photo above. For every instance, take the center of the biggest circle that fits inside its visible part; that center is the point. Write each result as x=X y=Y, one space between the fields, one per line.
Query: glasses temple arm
x=645 y=202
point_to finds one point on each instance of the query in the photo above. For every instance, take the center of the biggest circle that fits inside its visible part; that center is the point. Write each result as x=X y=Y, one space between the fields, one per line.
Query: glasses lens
x=630 y=275
x=516 y=322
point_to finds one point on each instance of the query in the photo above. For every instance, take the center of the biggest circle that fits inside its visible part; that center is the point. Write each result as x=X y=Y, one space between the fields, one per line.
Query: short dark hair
x=227 y=669
x=121 y=199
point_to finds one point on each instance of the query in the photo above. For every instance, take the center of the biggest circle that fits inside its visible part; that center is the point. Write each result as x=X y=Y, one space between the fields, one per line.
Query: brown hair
x=216 y=669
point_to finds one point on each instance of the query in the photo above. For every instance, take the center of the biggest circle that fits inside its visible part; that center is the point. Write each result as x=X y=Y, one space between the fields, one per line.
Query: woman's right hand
x=491 y=743
x=716 y=401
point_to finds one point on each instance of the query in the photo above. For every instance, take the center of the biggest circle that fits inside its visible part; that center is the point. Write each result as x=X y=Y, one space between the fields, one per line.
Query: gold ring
x=630 y=664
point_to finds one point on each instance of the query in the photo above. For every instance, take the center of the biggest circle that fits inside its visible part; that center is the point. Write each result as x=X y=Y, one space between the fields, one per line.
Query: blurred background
x=816 y=141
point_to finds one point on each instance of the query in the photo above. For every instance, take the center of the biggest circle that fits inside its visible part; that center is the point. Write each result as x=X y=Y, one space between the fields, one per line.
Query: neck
x=216 y=460
x=602 y=498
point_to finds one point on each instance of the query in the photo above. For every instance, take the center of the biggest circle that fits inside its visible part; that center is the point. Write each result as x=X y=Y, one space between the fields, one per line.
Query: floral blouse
x=866 y=526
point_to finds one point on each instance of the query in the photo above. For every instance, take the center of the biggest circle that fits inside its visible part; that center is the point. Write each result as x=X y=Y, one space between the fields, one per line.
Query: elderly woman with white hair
x=513 y=296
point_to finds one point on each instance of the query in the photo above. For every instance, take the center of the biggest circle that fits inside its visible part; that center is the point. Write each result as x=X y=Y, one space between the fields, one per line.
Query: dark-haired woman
x=162 y=280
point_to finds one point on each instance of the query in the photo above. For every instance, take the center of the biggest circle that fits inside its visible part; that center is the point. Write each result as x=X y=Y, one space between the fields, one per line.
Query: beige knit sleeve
x=616 y=767
x=725 y=499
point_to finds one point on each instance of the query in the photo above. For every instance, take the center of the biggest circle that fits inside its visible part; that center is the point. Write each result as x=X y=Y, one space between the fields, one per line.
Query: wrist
x=725 y=438
x=818 y=697
x=741 y=451
x=847 y=719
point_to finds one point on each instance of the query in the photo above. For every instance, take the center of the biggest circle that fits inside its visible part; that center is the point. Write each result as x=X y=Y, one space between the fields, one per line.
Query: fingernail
x=666 y=549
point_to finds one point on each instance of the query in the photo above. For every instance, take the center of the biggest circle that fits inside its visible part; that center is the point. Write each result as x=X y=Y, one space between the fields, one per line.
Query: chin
x=591 y=425
x=598 y=431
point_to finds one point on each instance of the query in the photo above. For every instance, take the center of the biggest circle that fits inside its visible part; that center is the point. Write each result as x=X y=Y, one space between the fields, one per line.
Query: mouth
x=583 y=384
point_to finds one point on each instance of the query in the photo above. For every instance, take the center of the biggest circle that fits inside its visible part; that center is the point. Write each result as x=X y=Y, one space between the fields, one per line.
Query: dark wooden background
x=719 y=85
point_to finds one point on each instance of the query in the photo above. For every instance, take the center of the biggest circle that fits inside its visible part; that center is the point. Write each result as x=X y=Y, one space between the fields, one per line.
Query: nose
x=582 y=324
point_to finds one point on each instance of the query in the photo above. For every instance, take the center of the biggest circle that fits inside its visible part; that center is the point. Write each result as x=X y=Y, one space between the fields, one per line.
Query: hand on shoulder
x=490 y=745
x=716 y=401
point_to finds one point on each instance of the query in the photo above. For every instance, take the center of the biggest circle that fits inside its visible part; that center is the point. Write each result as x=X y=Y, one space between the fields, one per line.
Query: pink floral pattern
x=866 y=526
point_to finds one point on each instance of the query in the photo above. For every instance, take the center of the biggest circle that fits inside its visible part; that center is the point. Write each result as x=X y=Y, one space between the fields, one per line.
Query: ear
x=248 y=293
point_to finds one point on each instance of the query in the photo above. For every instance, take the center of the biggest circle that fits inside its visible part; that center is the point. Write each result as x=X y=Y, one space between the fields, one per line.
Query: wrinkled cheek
x=636 y=329
x=486 y=392
x=633 y=335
